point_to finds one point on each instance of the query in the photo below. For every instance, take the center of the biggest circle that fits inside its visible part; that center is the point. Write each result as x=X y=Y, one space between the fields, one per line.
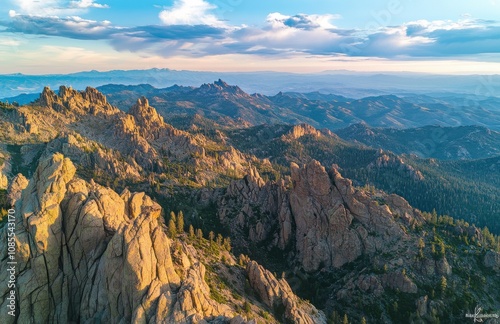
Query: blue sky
x=60 y=36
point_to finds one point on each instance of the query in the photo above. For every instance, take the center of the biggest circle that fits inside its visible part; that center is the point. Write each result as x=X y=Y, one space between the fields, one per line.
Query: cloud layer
x=190 y=28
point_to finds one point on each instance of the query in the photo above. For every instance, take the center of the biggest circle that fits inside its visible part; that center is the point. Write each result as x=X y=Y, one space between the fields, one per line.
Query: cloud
x=87 y=4
x=315 y=34
x=78 y=28
x=189 y=28
x=301 y=21
x=70 y=27
x=190 y=12
x=10 y=42
x=156 y=39
x=449 y=38
x=48 y=8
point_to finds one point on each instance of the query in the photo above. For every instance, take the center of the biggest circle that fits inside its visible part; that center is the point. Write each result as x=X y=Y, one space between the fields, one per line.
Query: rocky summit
x=87 y=254
x=125 y=213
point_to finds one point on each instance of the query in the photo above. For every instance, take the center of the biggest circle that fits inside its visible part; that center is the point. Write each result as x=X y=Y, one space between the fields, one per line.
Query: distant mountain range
x=346 y=83
x=228 y=103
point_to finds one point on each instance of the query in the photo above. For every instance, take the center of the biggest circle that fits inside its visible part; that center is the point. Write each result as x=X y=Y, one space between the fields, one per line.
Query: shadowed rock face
x=331 y=222
x=278 y=295
x=87 y=254
x=492 y=260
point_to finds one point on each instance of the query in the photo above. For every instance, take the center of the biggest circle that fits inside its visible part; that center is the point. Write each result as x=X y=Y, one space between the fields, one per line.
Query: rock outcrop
x=492 y=260
x=69 y=100
x=93 y=156
x=320 y=215
x=86 y=254
x=298 y=131
x=16 y=187
x=385 y=161
x=4 y=169
x=278 y=295
x=4 y=181
x=430 y=267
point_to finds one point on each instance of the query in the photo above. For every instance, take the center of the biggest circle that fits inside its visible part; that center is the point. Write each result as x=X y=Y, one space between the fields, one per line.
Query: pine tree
x=199 y=234
x=442 y=285
x=180 y=222
x=363 y=320
x=421 y=243
x=172 y=231
x=434 y=216
x=346 y=319
x=219 y=240
x=227 y=244
x=191 y=231
x=442 y=249
x=241 y=260
x=211 y=236
x=172 y=216
x=334 y=318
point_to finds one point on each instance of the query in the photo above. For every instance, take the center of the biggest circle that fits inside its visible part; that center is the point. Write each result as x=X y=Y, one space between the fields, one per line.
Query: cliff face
x=79 y=243
x=87 y=254
x=4 y=170
x=320 y=215
x=278 y=295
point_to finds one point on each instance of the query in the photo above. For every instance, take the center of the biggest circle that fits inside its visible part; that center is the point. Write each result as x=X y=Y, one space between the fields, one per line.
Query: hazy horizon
x=61 y=36
x=339 y=71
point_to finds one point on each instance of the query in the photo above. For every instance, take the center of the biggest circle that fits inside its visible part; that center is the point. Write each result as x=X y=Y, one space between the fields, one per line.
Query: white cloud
x=84 y=4
x=10 y=42
x=190 y=12
x=47 y=8
x=301 y=21
x=37 y=8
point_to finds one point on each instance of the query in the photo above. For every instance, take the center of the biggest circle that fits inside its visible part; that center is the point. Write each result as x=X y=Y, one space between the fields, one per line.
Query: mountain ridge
x=279 y=193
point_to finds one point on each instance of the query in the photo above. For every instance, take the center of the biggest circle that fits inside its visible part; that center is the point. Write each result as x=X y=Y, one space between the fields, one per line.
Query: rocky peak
x=90 y=96
x=220 y=87
x=79 y=242
x=94 y=96
x=300 y=130
x=145 y=115
x=361 y=129
x=47 y=97
x=221 y=83
x=89 y=101
x=331 y=221
x=385 y=160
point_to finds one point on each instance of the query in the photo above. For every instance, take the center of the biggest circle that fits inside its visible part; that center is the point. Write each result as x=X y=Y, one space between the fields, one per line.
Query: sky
x=438 y=36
